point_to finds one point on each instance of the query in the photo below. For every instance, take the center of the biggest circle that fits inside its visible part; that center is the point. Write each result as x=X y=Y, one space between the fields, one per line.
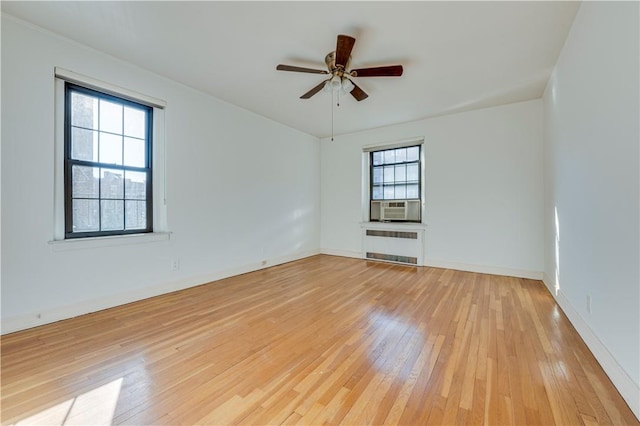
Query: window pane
x=377 y=158
x=134 y=152
x=136 y=214
x=388 y=192
x=84 y=110
x=112 y=183
x=389 y=156
x=110 y=117
x=377 y=175
x=112 y=215
x=412 y=153
x=135 y=185
x=401 y=155
x=85 y=182
x=377 y=192
x=84 y=144
x=401 y=173
x=85 y=216
x=388 y=174
x=412 y=172
x=110 y=148
x=400 y=192
x=134 y=122
x=412 y=191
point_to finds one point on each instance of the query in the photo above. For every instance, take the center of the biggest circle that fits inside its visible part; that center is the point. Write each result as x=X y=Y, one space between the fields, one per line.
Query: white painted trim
x=628 y=389
x=342 y=253
x=22 y=322
x=394 y=226
x=417 y=140
x=93 y=83
x=110 y=241
x=483 y=269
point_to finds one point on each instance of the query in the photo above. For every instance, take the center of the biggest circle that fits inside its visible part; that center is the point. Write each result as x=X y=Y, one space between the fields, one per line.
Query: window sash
x=70 y=162
x=384 y=187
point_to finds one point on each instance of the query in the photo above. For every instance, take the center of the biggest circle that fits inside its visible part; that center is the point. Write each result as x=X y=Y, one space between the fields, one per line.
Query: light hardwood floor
x=323 y=340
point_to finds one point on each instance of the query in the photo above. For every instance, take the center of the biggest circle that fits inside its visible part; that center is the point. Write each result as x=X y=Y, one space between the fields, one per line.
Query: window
x=107 y=164
x=395 y=174
x=395 y=182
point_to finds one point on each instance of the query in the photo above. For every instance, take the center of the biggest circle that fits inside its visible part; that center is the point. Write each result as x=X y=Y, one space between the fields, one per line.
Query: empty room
x=357 y=213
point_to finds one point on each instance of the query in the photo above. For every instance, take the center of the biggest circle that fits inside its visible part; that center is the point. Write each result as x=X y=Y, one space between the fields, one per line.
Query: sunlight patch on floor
x=95 y=407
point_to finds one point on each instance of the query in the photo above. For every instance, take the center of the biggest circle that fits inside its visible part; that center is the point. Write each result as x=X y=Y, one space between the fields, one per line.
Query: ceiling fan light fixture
x=347 y=85
x=335 y=82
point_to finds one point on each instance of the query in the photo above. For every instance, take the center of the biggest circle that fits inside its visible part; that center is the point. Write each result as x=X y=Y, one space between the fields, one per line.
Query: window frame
x=69 y=162
x=371 y=167
x=367 y=178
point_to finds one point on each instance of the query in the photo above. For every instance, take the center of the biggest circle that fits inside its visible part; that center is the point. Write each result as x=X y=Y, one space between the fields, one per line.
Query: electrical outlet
x=588 y=303
x=264 y=262
x=175 y=264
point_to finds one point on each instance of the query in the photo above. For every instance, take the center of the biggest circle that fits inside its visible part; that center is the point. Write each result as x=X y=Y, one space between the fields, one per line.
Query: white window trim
x=160 y=228
x=366 y=176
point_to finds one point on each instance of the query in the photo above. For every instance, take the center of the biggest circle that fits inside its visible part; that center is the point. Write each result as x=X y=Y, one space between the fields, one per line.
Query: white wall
x=592 y=120
x=241 y=189
x=484 y=188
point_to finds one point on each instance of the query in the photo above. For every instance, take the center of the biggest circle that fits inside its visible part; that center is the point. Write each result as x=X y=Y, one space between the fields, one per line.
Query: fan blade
x=343 y=49
x=358 y=93
x=313 y=91
x=300 y=69
x=389 y=71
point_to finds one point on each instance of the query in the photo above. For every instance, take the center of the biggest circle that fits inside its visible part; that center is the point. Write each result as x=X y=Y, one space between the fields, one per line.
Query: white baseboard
x=629 y=390
x=22 y=322
x=343 y=253
x=483 y=269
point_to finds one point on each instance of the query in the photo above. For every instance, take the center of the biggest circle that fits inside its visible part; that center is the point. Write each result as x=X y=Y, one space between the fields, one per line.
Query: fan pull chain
x=332 y=116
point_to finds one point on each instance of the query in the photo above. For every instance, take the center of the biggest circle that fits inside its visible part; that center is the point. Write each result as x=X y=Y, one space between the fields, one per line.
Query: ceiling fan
x=341 y=75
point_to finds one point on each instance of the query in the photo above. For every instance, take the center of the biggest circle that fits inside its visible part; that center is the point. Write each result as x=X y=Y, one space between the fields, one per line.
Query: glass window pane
x=377 y=192
x=110 y=148
x=84 y=144
x=135 y=152
x=84 y=110
x=136 y=215
x=412 y=191
x=111 y=183
x=377 y=175
x=388 y=174
x=400 y=192
x=401 y=155
x=110 y=117
x=388 y=192
x=389 y=156
x=412 y=153
x=135 y=122
x=377 y=158
x=412 y=173
x=85 y=182
x=85 y=216
x=135 y=185
x=112 y=215
x=401 y=173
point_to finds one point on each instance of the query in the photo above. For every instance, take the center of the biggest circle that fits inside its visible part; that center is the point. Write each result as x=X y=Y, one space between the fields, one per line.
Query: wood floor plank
x=322 y=340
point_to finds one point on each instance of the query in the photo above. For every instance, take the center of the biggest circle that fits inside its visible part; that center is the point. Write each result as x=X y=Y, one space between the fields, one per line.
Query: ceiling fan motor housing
x=330 y=60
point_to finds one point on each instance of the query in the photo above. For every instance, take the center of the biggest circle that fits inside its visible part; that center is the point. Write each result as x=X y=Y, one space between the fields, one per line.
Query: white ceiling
x=456 y=55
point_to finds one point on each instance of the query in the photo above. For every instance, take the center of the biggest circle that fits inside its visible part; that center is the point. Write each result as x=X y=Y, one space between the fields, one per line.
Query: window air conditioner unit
x=397 y=210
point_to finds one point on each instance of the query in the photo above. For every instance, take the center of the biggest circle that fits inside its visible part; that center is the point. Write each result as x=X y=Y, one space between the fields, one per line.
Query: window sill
x=400 y=226
x=111 y=241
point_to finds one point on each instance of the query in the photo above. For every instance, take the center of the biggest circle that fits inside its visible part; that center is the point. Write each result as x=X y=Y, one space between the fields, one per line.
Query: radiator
x=393 y=245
